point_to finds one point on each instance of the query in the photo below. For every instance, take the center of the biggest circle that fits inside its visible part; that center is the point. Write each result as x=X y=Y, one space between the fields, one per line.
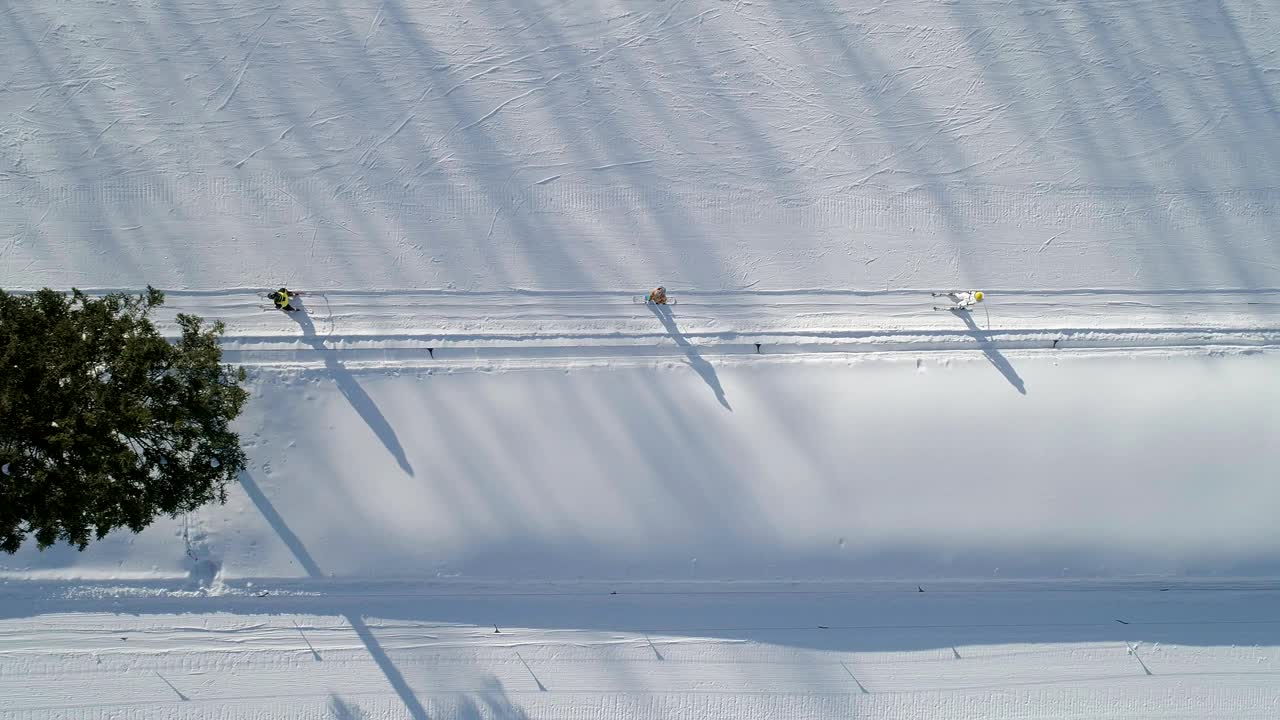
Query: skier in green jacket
x=281 y=299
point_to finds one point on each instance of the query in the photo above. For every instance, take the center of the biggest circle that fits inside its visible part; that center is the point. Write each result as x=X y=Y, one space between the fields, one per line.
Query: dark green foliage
x=106 y=424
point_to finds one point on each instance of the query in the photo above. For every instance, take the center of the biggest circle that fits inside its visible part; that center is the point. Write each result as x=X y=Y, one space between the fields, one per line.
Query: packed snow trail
x=531 y=313
x=416 y=327
x=458 y=651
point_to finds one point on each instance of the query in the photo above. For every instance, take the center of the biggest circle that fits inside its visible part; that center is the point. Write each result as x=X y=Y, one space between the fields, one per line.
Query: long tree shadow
x=353 y=617
x=703 y=368
x=343 y=710
x=989 y=349
x=494 y=702
x=352 y=391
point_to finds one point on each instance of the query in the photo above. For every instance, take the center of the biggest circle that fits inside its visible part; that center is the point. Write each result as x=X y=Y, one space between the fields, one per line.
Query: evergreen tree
x=106 y=424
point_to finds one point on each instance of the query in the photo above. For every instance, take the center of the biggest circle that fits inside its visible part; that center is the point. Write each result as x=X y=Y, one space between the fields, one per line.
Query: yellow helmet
x=978 y=296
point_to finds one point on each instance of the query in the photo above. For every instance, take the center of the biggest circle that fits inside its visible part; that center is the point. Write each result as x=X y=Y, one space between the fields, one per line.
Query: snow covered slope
x=487 y=484
x=603 y=144
x=739 y=468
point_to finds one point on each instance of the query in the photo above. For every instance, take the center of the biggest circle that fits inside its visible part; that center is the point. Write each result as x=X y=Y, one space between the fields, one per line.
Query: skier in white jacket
x=963 y=299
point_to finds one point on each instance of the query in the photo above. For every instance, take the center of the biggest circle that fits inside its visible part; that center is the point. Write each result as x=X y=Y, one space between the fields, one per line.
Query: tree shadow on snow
x=494 y=702
x=352 y=614
x=342 y=710
x=989 y=349
x=352 y=391
x=703 y=368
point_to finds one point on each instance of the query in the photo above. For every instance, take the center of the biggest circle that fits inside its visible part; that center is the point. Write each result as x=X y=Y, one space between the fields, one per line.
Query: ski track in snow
x=545 y=329
x=806 y=652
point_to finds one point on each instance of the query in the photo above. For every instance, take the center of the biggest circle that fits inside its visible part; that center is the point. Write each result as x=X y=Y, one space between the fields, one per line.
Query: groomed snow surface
x=487 y=483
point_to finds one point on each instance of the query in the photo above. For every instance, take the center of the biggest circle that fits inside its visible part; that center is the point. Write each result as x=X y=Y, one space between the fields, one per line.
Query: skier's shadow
x=989 y=349
x=351 y=389
x=701 y=366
